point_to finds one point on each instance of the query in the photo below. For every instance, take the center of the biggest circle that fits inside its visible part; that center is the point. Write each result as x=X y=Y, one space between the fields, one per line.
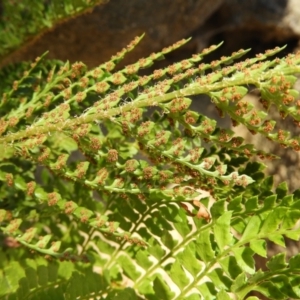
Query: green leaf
x=203 y=246
x=168 y=240
x=239 y=224
x=282 y=189
x=267 y=183
x=31 y=276
x=277 y=239
x=43 y=242
x=295 y=282
x=161 y=289
x=294 y=262
x=222 y=232
x=287 y=200
x=259 y=247
x=230 y=266
x=142 y=258
x=156 y=250
x=235 y=204
x=13 y=226
x=272 y=221
x=269 y=202
x=269 y=290
x=240 y=282
x=252 y=229
x=188 y=260
x=42 y=273
x=251 y=204
x=293 y=235
x=10 y=279
x=290 y=219
x=259 y=276
x=69 y=144
x=193 y=297
x=244 y=258
x=178 y=275
x=40 y=194
x=75 y=287
x=219 y=279
x=146 y=287
x=283 y=283
x=129 y=267
x=222 y=295
x=52 y=271
x=217 y=209
x=277 y=262
x=207 y=290
x=127 y=293
x=20 y=183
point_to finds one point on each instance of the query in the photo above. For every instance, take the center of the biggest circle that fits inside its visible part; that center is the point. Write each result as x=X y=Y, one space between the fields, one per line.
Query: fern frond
x=206 y=259
x=108 y=161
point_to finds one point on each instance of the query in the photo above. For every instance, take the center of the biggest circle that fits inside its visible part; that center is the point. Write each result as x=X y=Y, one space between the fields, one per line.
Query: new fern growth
x=113 y=188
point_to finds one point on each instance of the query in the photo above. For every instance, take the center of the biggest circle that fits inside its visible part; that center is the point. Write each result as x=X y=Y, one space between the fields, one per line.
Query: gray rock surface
x=94 y=37
x=277 y=19
x=258 y=24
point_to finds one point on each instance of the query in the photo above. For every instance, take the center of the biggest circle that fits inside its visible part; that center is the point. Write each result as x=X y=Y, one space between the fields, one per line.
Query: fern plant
x=113 y=188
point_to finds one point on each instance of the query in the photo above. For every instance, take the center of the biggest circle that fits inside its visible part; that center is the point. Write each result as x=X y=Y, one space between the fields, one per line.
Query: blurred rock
x=93 y=38
x=277 y=19
x=258 y=24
